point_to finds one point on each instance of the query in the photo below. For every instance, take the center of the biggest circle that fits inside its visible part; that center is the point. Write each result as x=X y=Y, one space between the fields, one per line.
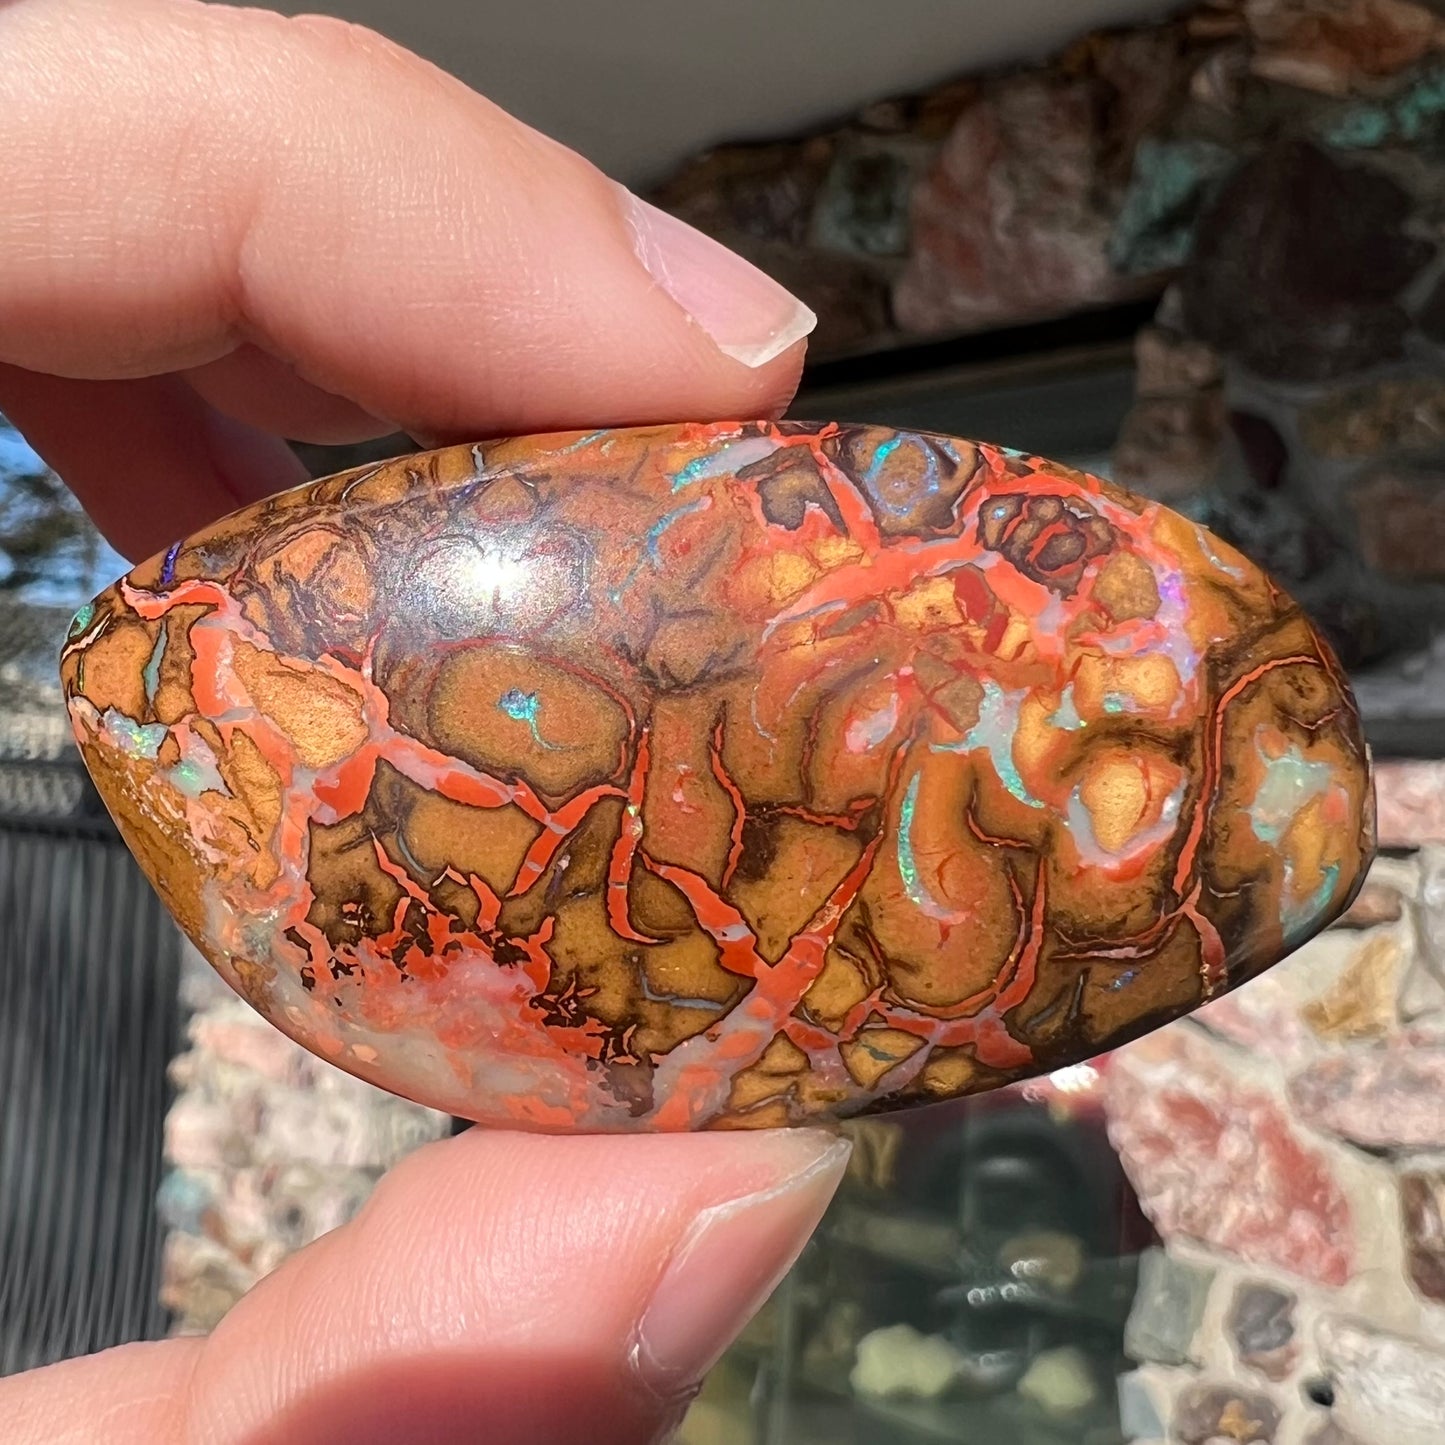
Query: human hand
x=497 y=1287
x=223 y=227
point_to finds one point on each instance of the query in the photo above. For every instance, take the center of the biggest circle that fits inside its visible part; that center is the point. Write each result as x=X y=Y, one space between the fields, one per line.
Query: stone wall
x=266 y=1148
x=1288 y=1144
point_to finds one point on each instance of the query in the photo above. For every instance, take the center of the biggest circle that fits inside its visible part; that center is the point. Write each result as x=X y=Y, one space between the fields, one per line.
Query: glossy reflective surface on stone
x=720 y=775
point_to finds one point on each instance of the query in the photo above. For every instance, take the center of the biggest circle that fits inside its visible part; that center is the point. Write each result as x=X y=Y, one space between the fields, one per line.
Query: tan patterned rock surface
x=720 y=775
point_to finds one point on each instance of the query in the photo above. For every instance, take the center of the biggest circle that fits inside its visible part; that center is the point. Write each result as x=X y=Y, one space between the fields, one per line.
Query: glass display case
x=972 y=1280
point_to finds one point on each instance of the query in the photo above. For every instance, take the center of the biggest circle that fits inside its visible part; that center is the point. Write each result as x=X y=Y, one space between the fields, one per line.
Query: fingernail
x=728 y=1263
x=746 y=313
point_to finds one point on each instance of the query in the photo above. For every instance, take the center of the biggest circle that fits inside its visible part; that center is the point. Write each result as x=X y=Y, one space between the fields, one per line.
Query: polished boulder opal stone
x=726 y=775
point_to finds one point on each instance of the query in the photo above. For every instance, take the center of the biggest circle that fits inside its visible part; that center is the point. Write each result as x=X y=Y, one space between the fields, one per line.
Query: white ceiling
x=638 y=85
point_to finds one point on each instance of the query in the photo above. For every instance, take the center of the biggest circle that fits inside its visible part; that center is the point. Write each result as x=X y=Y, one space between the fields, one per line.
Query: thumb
x=510 y=1287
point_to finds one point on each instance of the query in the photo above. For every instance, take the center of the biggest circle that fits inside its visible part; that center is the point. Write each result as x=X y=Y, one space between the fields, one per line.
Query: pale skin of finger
x=150 y=457
x=251 y=383
x=494 y=1288
x=189 y=184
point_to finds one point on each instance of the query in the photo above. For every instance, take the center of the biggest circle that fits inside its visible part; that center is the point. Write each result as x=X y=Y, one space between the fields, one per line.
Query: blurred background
x=1197 y=249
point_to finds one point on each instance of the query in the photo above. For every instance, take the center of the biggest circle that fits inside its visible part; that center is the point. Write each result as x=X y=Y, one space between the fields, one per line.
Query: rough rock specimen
x=1375 y=903
x=1261 y=1324
x=1335 y=46
x=1206 y=1414
x=1168 y=1309
x=1422 y=1205
x=720 y=775
x=1414 y=811
x=1386 y=1387
x=1400 y=512
x=1299 y=264
x=1011 y=221
x=1219 y=1160
x=1381 y=1099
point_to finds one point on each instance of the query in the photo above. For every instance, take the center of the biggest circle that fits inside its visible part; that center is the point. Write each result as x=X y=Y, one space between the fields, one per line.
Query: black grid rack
x=89 y=973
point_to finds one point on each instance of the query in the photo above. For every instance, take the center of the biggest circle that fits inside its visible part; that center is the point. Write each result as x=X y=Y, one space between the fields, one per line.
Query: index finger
x=187 y=180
